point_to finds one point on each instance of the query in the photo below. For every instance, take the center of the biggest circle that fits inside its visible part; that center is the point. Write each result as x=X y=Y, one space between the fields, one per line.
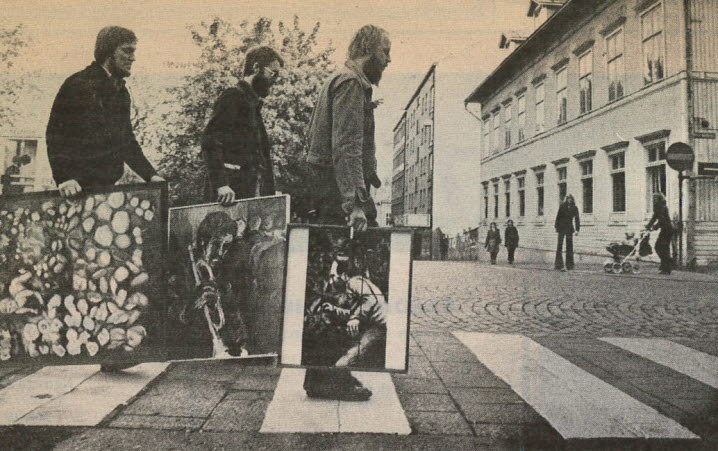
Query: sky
x=461 y=35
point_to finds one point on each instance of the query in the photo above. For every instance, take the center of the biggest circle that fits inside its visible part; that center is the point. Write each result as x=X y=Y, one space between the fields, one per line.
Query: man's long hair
x=366 y=41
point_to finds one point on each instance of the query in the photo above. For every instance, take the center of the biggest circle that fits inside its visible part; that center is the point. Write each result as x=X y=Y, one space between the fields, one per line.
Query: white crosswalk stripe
x=576 y=403
x=292 y=411
x=695 y=364
x=73 y=395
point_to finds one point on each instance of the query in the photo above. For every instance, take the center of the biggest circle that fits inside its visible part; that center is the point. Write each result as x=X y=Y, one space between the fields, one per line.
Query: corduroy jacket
x=341 y=135
x=89 y=134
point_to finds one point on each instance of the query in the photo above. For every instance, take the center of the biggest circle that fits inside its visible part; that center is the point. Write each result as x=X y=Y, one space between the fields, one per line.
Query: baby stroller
x=626 y=255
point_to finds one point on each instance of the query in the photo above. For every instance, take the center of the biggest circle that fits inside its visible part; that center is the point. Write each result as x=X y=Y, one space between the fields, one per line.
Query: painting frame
x=152 y=351
x=291 y=355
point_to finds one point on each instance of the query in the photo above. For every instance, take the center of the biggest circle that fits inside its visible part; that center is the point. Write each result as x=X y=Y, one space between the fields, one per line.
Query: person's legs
x=663 y=244
x=558 y=263
x=493 y=257
x=569 y=251
x=511 y=254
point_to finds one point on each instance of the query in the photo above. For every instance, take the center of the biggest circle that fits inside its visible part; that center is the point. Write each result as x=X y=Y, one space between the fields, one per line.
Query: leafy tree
x=12 y=41
x=176 y=130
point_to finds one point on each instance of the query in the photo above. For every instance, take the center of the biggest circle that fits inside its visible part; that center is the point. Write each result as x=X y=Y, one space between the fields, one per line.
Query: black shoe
x=346 y=393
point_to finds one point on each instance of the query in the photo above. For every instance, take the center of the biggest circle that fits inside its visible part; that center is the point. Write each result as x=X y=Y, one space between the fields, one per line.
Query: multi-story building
x=25 y=152
x=588 y=105
x=439 y=158
x=397 y=181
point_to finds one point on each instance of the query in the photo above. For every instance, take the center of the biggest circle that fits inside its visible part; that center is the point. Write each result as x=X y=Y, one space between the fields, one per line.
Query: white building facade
x=588 y=105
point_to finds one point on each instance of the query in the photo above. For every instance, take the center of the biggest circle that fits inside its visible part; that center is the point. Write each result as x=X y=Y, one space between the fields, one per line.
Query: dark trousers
x=328 y=210
x=663 y=250
x=511 y=251
x=493 y=256
x=244 y=182
x=558 y=264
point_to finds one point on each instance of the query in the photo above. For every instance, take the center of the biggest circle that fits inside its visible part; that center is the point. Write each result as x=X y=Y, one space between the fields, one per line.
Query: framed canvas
x=82 y=279
x=347 y=298
x=226 y=272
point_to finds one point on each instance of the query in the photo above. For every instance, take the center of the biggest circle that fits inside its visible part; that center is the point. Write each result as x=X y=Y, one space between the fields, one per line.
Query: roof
x=421 y=85
x=535 y=4
x=540 y=40
x=513 y=36
x=398 y=123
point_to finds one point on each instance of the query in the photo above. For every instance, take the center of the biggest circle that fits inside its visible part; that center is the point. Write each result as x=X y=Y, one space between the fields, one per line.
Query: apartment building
x=588 y=105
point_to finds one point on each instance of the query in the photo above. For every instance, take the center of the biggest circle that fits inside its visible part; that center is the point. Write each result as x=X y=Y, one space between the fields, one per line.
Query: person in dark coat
x=493 y=241
x=565 y=218
x=662 y=220
x=342 y=157
x=89 y=134
x=235 y=144
x=511 y=237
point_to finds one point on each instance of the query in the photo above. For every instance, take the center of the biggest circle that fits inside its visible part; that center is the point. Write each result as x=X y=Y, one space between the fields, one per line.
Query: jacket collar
x=250 y=91
x=353 y=67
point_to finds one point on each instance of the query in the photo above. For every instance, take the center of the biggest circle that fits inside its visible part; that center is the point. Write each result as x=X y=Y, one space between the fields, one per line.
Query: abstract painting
x=347 y=298
x=81 y=278
x=225 y=278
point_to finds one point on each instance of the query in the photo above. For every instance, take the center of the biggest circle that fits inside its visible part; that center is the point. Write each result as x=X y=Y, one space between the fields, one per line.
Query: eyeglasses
x=271 y=72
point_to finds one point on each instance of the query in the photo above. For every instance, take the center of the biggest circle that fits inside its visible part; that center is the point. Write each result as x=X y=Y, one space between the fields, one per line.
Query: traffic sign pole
x=680 y=156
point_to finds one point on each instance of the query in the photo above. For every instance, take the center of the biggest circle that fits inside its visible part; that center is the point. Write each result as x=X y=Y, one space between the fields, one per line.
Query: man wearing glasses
x=235 y=145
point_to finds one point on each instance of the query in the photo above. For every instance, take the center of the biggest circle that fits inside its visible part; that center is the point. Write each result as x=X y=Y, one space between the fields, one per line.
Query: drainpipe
x=690 y=226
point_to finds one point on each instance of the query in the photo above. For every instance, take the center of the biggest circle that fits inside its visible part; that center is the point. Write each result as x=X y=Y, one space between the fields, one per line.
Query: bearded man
x=235 y=144
x=89 y=134
x=342 y=158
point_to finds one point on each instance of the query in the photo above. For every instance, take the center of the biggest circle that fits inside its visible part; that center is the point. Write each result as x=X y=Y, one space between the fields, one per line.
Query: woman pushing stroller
x=662 y=220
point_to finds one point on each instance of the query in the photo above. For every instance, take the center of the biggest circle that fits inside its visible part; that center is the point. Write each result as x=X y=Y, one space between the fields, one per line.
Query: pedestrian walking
x=89 y=134
x=511 y=237
x=493 y=241
x=565 y=218
x=235 y=144
x=662 y=220
x=342 y=160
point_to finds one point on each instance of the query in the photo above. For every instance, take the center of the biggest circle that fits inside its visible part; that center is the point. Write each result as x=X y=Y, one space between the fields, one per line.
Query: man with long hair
x=235 y=144
x=342 y=159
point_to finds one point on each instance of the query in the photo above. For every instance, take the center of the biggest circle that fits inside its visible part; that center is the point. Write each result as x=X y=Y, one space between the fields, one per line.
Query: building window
x=507 y=197
x=655 y=172
x=614 y=55
x=521 y=117
x=540 y=113
x=19 y=166
x=652 y=35
x=507 y=125
x=486 y=201
x=562 y=187
x=561 y=96
x=521 y=183
x=496 y=200
x=587 y=185
x=496 y=141
x=618 y=180
x=539 y=193
x=585 y=81
x=487 y=137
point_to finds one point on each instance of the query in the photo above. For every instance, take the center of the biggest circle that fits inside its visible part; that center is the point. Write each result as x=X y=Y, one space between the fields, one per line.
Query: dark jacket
x=235 y=134
x=661 y=220
x=565 y=218
x=341 y=136
x=89 y=135
x=493 y=240
x=511 y=237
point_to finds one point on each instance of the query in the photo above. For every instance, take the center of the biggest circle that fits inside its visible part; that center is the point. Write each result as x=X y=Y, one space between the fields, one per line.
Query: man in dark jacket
x=235 y=145
x=567 y=214
x=342 y=157
x=89 y=135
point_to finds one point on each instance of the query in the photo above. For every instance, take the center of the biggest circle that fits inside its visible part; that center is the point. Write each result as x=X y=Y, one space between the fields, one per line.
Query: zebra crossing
x=576 y=399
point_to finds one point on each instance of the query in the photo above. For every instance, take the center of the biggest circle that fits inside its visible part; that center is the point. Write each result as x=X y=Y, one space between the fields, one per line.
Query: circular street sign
x=680 y=156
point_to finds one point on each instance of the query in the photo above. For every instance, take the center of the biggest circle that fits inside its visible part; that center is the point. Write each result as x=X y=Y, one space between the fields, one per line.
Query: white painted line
x=291 y=411
x=92 y=400
x=398 y=307
x=695 y=364
x=382 y=414
x=293 y=328
x=40 y=388
x=576 y=403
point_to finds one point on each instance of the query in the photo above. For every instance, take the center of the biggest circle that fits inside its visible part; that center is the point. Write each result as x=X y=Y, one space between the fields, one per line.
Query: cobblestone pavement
x=478 y=297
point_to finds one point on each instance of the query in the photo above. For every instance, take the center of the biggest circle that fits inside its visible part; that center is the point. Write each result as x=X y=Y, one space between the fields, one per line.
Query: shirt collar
x=352 y=66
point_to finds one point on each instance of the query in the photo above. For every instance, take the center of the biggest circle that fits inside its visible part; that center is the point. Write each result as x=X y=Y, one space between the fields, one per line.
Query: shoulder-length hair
x=366 y=41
